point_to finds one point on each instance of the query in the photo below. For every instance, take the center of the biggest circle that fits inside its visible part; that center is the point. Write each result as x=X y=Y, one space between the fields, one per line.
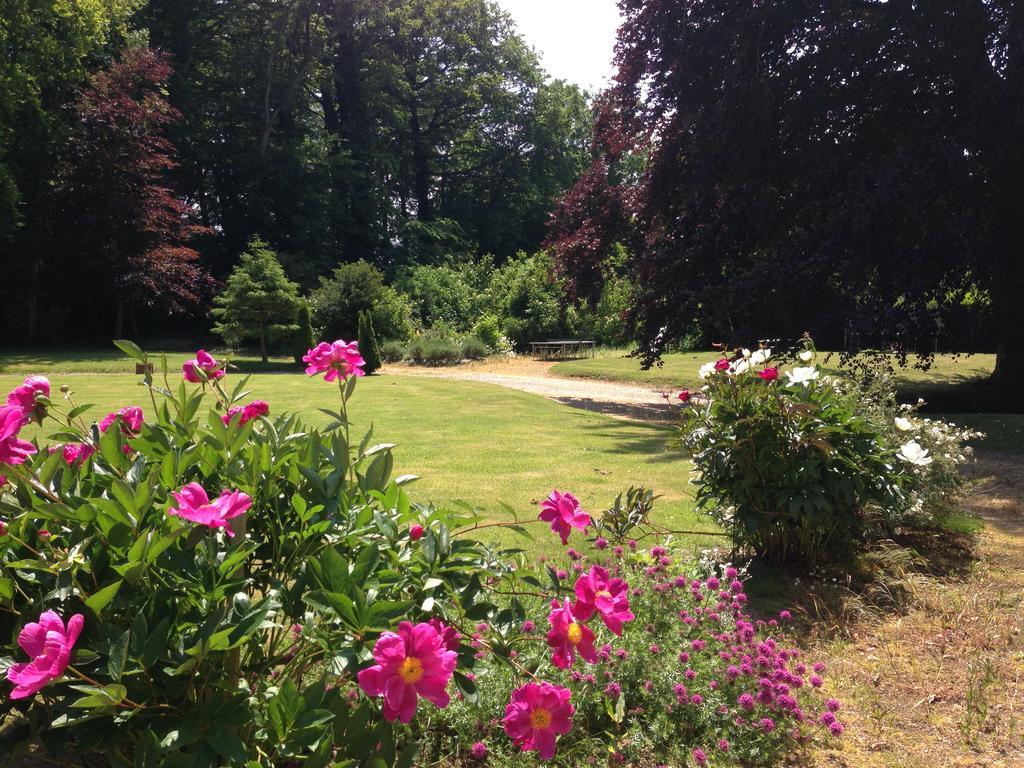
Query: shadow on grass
x=659 y=413
x=646 y=440
x=966 y=395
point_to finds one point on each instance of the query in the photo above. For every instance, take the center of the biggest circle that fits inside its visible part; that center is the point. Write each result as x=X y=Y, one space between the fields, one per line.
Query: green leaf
x=100 y=600
x=334 y=570
x=131 y=349
x=408 y=756
x=118 y=656
x=147 y=751
x=227 y=744
x=466 y=687
x=366 y=563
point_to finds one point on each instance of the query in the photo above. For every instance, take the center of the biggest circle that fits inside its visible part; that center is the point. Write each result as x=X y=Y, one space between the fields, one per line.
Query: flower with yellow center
x=603 y=593
x=574 y=633
x=411 y=670
x=540 y=718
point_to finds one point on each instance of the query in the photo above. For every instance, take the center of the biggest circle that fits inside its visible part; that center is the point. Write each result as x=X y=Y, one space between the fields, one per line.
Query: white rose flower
x=745 y=353
x=760 y=356
x=806 y=356
x=706 y=370
x=904 y=425
x=802 y=375
x=740 y=366
x=913 y=453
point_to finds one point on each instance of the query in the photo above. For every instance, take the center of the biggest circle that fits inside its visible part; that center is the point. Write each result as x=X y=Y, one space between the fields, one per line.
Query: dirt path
x=626 y=401
x=943 y=685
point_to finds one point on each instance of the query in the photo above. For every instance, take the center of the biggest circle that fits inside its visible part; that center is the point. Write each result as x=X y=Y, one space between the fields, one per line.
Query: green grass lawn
x=468 y=441
x=680 y=369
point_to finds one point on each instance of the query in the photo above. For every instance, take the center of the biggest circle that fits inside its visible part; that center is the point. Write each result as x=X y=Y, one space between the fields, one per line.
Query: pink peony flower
x=205 y=363
x=50 y=645
x=12 y=450
x=77 y=452
x=412 y=663
x=769 y=374
x=722 y=365
x=339 y=358
x=195 y=505
x=415 y=532
x=685 y=395
x=563 y=511
x=595 y=592
x=479 y=751
x=536 y=715
x=568 y=637
x=249 y=412
x=130 y=418
x=3 y=525
x=450 y=636
x=23 y=397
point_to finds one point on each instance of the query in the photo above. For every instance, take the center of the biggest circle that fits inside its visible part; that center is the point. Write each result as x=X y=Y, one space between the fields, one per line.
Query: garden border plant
x=190 y=587
x=802 y=467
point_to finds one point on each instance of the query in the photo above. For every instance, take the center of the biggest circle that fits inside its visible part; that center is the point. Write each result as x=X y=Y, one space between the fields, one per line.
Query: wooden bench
x=562 y=349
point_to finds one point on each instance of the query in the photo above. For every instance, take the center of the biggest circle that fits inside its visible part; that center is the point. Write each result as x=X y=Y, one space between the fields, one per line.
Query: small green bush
x=488 y=330
x=435 y=351
x=474 y=349
x=392 y=351
x=801 y=467
x=354 y=288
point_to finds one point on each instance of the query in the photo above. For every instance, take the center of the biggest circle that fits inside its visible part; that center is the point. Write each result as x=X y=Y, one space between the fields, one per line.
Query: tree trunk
x=263 y=348
x=420 y=160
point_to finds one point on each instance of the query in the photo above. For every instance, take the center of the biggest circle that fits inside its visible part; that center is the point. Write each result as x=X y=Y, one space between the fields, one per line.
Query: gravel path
x=626 y=401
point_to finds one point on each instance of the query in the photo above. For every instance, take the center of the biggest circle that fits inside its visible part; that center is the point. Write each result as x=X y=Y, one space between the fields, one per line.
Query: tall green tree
x=855 y=169
x=368 y=346
x=260 y=303
x=47 y=49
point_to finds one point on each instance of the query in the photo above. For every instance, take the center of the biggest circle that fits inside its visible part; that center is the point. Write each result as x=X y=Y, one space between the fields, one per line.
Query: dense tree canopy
x=397 y=132
x=851 y=168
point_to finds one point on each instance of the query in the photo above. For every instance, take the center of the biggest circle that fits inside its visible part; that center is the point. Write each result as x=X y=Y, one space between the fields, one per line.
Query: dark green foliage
x=260 y=302
x=400 y=132
x=487 y=329
x=474 y=349
x=392 y=351
x=434 y=351
x=355 y=288
x=527 y=298
x=368 y=346
x=303 y=340
x=793 y=144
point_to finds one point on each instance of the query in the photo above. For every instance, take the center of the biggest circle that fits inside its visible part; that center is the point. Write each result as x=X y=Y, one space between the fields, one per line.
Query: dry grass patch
x=943 y=683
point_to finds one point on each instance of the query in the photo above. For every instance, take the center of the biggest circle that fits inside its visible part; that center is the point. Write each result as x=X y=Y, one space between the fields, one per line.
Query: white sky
x=574 y=38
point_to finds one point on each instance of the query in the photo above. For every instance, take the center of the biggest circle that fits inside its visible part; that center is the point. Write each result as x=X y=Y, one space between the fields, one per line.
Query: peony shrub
x=804 y=467
x=203 y=579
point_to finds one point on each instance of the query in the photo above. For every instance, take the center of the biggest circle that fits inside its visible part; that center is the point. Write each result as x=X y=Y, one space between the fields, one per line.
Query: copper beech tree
x=132 y=234
x=853 y=169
